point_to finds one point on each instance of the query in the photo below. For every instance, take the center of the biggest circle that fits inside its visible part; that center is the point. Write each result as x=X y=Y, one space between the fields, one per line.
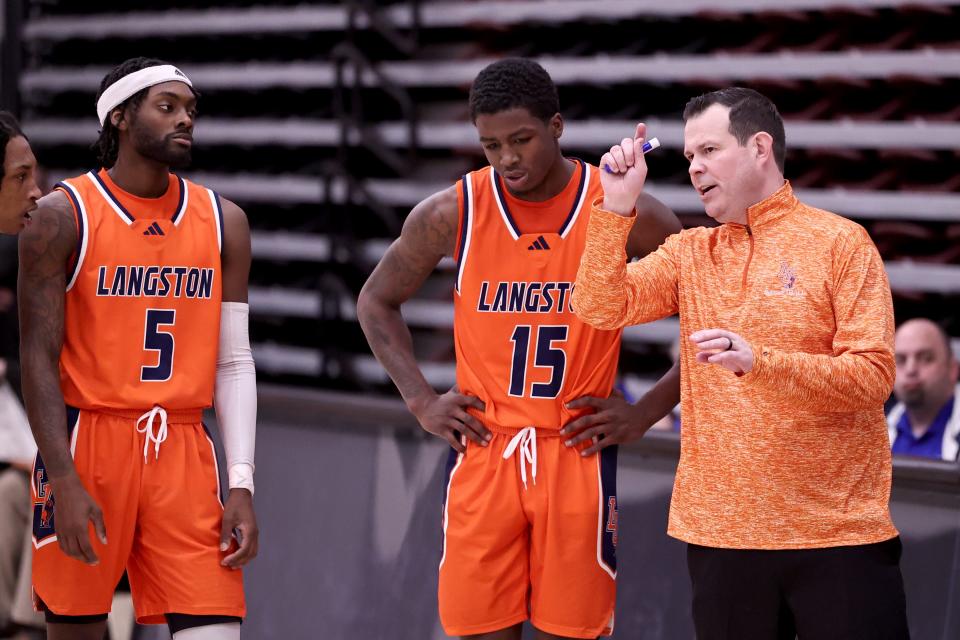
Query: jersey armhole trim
x=465 y=226
x=182 y=202
x=218 y=216
x=581 y=196
x=80 y=214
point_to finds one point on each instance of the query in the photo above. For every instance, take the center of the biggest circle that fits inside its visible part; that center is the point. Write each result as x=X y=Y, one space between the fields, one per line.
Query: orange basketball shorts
x=542 y=550
x=162 y=517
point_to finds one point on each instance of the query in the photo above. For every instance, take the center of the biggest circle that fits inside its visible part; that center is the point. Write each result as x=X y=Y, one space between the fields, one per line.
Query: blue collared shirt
x=930 y=444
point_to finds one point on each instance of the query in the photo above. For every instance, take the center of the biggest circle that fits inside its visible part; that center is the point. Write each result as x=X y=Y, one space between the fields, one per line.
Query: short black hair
x=945 y=338
x=9 y=129
x=750 y=113
x=511 y=83
x=107 y=145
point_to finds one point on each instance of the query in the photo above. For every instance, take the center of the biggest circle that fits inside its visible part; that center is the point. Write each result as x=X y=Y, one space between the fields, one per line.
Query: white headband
x=134 y=82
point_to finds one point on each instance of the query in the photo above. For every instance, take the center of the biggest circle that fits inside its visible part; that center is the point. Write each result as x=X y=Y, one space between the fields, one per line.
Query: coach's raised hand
x=624 y=171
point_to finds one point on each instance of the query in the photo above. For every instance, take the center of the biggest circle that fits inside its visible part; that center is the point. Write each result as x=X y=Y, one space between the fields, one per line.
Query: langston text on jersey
x=155 y=281
x=525 y=297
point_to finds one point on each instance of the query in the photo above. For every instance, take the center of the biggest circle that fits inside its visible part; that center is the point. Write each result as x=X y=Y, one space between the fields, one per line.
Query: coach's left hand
x=238 y=515
x=725 y=348
x=614 y=421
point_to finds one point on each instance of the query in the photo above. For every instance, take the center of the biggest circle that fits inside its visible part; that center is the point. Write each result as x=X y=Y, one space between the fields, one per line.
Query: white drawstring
x=526 y=440
x=147 y=429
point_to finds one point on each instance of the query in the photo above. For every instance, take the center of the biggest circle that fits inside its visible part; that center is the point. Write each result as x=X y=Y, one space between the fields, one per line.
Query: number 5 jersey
x=142 y=314
x=519 y=346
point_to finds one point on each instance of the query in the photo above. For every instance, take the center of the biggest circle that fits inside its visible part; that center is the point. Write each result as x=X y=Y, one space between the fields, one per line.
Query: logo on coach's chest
x=789 y=283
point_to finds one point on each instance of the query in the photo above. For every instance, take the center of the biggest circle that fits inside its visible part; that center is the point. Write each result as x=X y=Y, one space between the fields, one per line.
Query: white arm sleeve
x=235 y=395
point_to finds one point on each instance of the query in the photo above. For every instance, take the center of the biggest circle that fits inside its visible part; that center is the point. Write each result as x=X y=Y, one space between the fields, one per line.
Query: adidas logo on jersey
x=539 y=244
x=154 y=230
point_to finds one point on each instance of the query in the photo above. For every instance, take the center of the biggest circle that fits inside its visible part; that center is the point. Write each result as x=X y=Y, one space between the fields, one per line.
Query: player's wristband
x=240 y=476
x=235 y=395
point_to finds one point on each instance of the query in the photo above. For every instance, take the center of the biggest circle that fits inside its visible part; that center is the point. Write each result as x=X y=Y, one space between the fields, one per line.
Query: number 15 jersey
x=142 y=311
x=519 y=346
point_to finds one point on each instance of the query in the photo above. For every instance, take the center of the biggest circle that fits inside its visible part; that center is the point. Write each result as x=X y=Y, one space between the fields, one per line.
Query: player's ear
x=117 y=119
x=762 y=145
x=555 y=125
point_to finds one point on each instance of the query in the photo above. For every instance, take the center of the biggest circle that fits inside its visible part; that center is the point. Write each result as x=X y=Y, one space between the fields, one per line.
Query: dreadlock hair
x=511 y=83
x=9 y=129
x=750 y=113
x=107 y=146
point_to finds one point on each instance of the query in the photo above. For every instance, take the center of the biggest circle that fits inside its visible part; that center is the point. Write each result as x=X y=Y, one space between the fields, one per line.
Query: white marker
x=647 y=147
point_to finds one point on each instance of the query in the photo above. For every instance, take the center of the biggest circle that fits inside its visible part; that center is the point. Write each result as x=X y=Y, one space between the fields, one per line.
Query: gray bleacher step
x=591 y=70
x=324 y=17
x=591 y=134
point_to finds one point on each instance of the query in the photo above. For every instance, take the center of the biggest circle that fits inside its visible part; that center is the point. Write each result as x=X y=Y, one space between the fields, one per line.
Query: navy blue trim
x=216 y=463
x=216 y=199
x=503 y=203
x=44 y=524
x=113 y=197
x=72 y=270
x=448 y=469
x=447 y=472
x=177 y=213
x=56 y=618
x=464 y=223
x=576 y=199
x=610 y=522
x=573 y=207
x=177 y=622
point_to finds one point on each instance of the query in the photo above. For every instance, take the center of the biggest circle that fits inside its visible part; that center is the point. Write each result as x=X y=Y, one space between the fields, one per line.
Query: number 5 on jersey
x=545 y=356
x=156 y=339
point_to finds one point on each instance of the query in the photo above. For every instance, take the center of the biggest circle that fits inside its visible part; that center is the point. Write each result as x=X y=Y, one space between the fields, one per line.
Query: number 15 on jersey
x=546 y=355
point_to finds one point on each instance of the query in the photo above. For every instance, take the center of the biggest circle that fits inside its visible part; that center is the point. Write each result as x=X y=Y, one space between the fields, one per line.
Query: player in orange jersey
x=133 y=289
x=18 y=181
x=529 y=516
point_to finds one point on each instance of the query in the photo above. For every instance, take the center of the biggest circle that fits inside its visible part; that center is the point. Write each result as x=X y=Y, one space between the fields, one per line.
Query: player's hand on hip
x=725 y=348
x=445 y=416
x=623 y=172
x=239 y=522
x=75 y=510
x=613 y=421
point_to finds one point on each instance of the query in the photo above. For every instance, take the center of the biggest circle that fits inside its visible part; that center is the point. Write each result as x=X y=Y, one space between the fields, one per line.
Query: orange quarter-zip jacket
x=793 y=454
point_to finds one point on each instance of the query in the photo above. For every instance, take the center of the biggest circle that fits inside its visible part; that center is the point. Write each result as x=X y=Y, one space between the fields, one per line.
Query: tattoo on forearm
x=41 y=292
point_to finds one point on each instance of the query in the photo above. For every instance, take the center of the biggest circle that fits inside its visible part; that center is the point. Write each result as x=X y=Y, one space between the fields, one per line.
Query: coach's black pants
x=838 y=593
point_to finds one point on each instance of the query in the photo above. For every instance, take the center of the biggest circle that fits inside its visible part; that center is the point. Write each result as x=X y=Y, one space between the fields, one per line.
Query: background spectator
x=925 y=421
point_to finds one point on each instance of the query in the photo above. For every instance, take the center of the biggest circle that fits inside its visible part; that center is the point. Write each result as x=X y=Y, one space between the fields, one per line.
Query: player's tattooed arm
x=429 y=234
x=45 y=250
x=655 y=221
